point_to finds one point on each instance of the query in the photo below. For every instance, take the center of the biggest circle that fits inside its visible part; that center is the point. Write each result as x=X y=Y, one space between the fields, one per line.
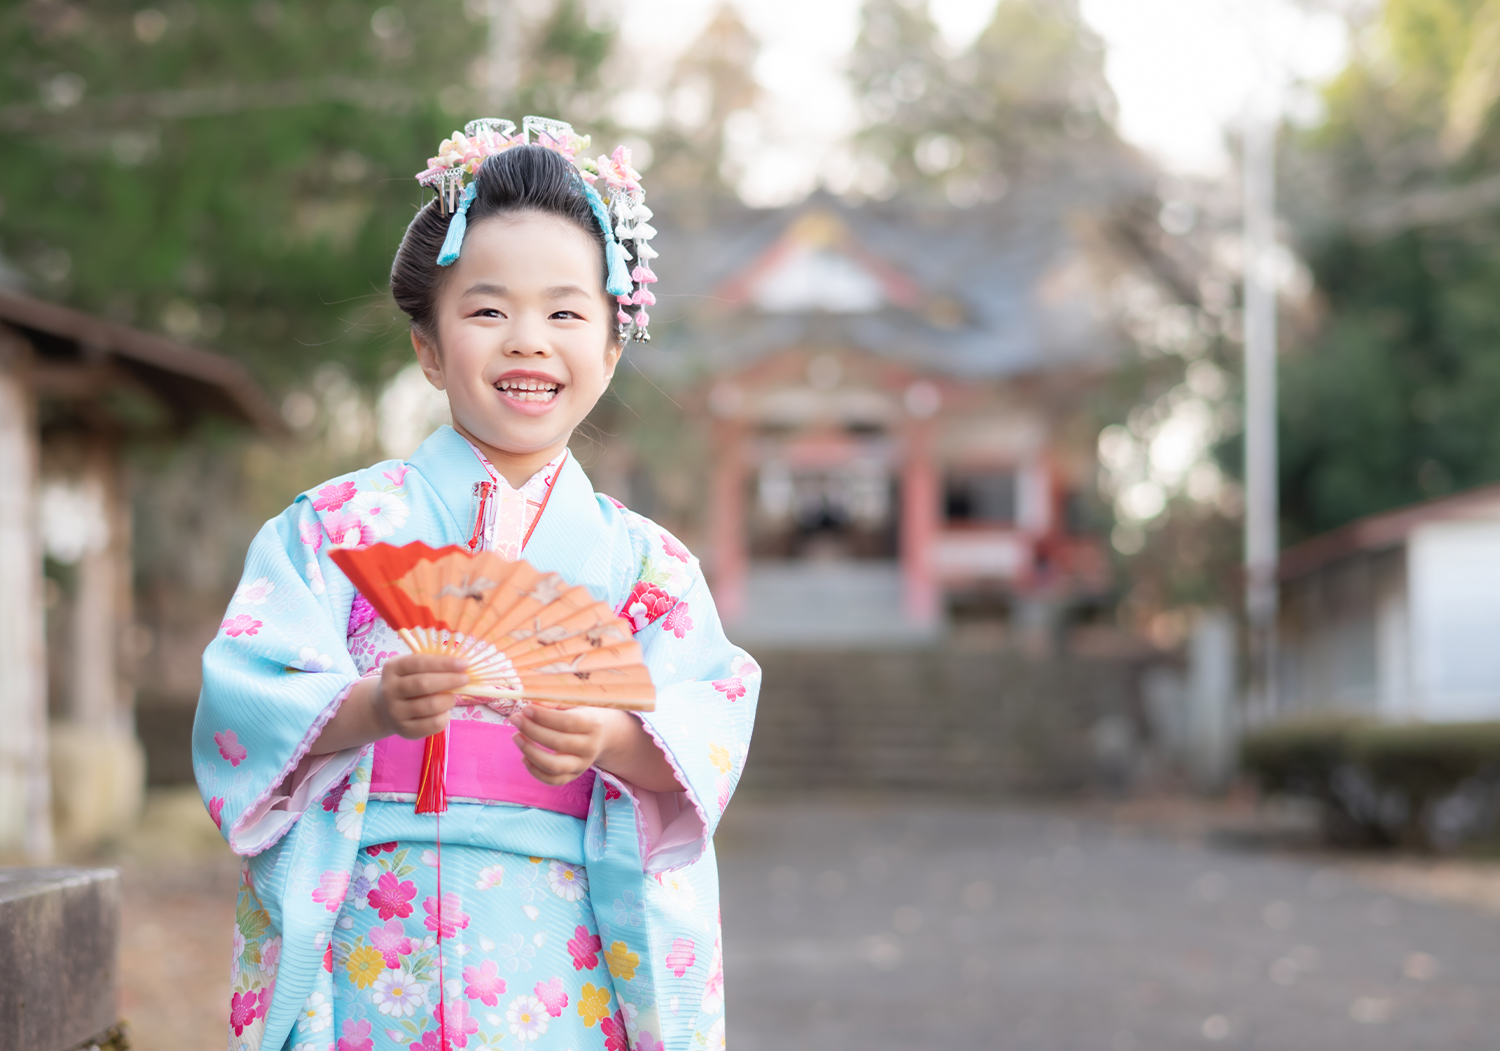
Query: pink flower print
x=671 y=546
x=606 y=496
x=333 y=497
x=335 y=796
x=677 y=621
x=732 y=689
x=681 y=957
x=391 y=897
x=646 y=603
x=311 y=534
x=610 y=792
x=584 y=948
x=350 y=530
x=216 y=811
x=483 y=983
x=256 y=592
x=380 y=848
x=396 y=475
x=241 y=624
x=723 y=789
x=356 y=1036
x=230 y=747
x=391 y=940
x=447 y=918
x=552 y=996
x=459 y=1027
x=331 y=889
x=613 y=1029
x=432 y=1040
x=242 y=1011
x=644 y=1041
x=328 y=953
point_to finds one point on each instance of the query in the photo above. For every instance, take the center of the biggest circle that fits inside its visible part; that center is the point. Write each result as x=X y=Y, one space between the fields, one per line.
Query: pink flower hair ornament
x=611 y=186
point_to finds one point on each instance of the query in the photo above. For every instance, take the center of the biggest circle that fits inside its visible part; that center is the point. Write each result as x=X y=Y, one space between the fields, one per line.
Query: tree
x=1390 y=199
x=238 y=174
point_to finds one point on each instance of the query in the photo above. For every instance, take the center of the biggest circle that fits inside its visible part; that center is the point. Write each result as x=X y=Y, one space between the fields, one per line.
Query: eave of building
x=78 y=357
x=1386 y=530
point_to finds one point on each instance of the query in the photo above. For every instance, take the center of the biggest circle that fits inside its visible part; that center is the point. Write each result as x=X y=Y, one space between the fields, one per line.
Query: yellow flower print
x=719 y=756
x=364 y=965
x=593 y=1003
x=621 y=961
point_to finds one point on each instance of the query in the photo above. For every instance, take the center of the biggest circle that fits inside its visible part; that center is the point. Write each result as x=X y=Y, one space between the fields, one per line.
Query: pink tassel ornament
x=643 y=298
x=642 y=275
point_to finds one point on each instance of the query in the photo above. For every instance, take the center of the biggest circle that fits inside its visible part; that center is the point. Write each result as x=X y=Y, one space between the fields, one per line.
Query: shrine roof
x=81 y=356
x=1018 y=285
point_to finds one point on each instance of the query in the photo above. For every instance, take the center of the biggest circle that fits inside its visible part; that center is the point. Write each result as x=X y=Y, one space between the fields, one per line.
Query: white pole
x=1261 y=510
x=25 y=787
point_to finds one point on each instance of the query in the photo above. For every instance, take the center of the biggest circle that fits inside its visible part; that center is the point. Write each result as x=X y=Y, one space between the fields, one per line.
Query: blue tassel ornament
x=617 y=281
x=457 y=227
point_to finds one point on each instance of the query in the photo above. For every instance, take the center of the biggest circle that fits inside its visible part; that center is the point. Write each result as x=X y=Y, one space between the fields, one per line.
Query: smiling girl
x=575 y=902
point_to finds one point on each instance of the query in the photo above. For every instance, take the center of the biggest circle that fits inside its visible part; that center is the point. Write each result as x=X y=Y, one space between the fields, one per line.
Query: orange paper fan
x=527 y=635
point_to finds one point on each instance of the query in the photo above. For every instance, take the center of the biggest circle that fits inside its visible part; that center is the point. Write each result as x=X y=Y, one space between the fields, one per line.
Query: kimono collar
x=576 y=535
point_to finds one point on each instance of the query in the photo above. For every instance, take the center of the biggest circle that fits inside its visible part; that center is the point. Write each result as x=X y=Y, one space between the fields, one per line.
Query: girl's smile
x=525 y=342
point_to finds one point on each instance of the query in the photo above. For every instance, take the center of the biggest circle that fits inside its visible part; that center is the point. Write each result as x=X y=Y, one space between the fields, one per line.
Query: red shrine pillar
x=919 y=526
x=727 y=520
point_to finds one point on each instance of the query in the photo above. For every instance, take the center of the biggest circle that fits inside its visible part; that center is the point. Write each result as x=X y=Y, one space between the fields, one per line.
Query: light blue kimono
x=280 y=666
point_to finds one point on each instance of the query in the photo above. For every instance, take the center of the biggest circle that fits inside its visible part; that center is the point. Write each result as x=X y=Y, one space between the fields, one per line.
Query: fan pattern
x=524 y=633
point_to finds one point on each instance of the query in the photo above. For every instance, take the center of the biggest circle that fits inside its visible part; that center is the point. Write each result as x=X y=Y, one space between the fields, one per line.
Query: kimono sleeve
x=705 y=708
x=275 y=673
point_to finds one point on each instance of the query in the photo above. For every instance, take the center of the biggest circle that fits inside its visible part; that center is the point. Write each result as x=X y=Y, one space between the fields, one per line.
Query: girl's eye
x=568 y=314
x=487 y=312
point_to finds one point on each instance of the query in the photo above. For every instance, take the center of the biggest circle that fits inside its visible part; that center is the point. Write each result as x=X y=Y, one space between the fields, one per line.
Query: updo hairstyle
x=529 y=178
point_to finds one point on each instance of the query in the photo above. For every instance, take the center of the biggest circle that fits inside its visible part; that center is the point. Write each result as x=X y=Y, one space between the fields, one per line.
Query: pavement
x=902 y=925
x=909 y=924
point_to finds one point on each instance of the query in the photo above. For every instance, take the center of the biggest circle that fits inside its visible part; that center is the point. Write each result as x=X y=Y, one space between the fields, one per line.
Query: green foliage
x=238 y=174
x=1423 y=785
x=1398 y=398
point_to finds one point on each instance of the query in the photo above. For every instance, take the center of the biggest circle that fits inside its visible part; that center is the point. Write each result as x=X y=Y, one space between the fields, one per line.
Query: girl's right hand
x=415 y=693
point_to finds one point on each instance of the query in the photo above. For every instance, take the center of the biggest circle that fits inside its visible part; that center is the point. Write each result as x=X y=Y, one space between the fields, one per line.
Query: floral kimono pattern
x=600 y=932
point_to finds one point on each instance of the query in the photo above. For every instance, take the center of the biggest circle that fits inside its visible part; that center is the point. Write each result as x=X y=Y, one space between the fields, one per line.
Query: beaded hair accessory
x=610 y=185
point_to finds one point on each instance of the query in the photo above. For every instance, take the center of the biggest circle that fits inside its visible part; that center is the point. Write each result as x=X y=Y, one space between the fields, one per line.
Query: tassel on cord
x=432 y=789
x=617 y=281
x=454 y=242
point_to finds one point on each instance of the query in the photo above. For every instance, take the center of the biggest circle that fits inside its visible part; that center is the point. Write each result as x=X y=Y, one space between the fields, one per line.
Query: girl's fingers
x=417 y=663
x=427 y=684
x=565 y=720
x=554 y=764
x=416 y=729
x=544 y=778
x=570 y=743
x=426 y=705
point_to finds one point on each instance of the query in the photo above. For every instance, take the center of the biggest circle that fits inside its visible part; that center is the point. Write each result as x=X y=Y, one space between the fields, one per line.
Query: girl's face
x=525 y=338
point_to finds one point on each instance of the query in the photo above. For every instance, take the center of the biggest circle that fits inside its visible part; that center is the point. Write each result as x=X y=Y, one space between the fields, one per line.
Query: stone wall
x=944 y=720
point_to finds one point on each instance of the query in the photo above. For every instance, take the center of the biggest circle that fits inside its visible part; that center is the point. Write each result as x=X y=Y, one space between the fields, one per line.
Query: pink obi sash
x=483 y=764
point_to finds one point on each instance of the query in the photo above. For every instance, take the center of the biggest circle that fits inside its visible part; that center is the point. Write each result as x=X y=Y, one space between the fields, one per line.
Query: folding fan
x=527 y=635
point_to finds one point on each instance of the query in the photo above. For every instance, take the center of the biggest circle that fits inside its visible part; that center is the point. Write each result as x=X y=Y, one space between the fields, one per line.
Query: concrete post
x=727 y=540
x=25 y=800
x=1212 y=680
x=919 y=526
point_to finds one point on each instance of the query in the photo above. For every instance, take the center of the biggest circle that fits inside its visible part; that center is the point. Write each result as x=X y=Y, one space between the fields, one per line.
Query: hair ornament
x=609 y=184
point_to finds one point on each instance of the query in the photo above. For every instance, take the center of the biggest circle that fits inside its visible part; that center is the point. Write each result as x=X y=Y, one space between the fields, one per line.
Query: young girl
x=572 y=901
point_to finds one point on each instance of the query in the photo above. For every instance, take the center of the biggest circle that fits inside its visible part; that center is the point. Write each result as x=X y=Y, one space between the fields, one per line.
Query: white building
x=1397 y=615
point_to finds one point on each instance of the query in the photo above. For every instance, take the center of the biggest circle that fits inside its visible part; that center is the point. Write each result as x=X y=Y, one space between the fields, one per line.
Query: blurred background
x=1087 y=411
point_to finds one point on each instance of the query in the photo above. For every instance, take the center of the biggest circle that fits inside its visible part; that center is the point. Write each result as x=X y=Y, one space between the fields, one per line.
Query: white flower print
x=568 y=882
x=309 y=659
x=256 y=592
x=491 y=876
x=270 y=956
x=352 y=808
x=527 y=1017
x=628 y=909
x=715 y=1036
x=315 y=577
x=382 y=512
x=678 y=892
x=316 y=1014
x=238 y=952
x=398 y=994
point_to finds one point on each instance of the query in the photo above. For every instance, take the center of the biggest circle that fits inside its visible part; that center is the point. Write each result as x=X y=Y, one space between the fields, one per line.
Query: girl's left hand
x=559 y=744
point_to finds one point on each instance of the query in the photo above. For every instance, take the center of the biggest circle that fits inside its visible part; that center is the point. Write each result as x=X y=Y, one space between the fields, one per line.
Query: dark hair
x=528 y=178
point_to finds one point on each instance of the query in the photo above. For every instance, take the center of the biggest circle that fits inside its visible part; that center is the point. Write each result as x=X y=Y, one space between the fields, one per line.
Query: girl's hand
x=415 y=693
x=559 y=744
x=411 y=697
